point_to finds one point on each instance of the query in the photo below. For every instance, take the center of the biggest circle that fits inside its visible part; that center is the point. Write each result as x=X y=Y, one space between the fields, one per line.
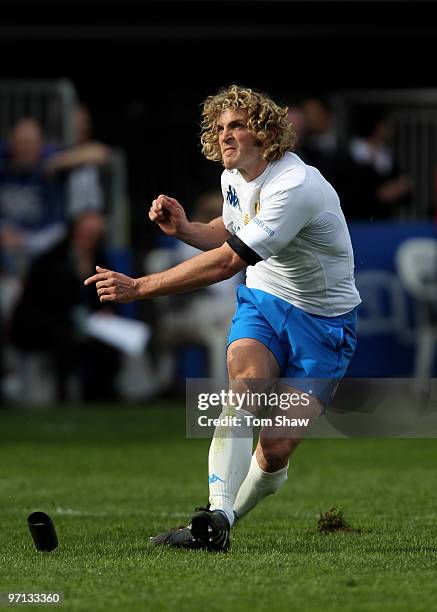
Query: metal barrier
x=414 y=114
x=51 y=103
x=118 y=206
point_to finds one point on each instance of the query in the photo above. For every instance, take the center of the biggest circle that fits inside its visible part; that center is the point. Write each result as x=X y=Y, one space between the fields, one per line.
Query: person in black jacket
x=374 y=186
x=53 y=305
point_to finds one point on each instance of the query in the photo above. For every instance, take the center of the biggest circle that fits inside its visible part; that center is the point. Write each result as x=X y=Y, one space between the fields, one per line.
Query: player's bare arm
x=170 y=216
x=200 y=271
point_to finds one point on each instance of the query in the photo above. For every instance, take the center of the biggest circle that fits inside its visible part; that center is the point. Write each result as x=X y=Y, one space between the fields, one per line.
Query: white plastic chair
x=416 y=261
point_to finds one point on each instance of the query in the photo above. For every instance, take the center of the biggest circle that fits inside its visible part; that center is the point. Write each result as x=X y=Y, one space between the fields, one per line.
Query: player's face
x=239 y=147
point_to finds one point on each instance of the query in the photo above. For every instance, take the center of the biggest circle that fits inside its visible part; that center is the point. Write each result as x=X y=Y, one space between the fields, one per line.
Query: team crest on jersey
x=232 y=198
x=246 y=219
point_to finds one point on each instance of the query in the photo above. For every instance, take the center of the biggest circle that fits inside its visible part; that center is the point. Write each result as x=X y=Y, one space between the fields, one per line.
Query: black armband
x=245 y=252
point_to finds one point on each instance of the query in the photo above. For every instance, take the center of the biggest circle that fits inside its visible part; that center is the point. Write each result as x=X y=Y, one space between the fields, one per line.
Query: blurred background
x=100 y=112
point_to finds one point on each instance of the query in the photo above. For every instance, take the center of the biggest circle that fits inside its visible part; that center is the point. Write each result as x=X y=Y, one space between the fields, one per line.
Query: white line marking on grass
x=173 y=514
x=72 y=512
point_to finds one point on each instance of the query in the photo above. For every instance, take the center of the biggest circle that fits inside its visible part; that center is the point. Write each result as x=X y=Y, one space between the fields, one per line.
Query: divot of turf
x=333 y=520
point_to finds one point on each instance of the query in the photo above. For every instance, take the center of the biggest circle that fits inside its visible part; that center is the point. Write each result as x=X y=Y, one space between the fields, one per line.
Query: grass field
x=111 y=477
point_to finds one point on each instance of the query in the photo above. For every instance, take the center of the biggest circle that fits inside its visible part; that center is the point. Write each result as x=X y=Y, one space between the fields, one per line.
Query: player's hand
x=113 y=286
x=393 y=189
x=11 y=238
x=169 y=215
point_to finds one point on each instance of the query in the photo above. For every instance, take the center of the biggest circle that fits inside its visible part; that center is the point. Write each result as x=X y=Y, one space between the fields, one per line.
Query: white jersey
x=290 y=216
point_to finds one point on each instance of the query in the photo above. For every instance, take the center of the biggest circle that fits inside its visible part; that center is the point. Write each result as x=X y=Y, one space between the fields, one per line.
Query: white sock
x=229 y=462
x=257 y=485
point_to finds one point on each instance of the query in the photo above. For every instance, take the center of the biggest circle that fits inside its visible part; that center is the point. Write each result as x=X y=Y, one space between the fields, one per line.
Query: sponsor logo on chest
x=232 y=198
x=242 y=211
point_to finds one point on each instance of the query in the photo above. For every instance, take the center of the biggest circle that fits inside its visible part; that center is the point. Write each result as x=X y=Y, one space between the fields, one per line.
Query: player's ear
x=269 y=139
x=271 y=135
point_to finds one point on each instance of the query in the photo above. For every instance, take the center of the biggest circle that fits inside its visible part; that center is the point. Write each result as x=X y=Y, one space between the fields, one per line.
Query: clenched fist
x=169 y=215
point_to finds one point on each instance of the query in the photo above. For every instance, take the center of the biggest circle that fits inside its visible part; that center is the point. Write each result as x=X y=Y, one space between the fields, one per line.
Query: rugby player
x=296 y=315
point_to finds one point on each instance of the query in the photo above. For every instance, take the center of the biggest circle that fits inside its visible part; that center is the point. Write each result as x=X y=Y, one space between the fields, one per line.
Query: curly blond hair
x=267 y=121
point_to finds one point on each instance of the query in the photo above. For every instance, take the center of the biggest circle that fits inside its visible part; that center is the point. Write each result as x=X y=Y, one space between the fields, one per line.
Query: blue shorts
x=315 y=349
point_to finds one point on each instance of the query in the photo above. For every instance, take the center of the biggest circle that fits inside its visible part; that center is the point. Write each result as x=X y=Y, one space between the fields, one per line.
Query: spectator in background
x=32 y=212
x=32 y=205
x=297 y=118
x=320 y=144
x=377 y=188
x=83 y=165
x=51 y=309
x=40 y=188
x=321 y=134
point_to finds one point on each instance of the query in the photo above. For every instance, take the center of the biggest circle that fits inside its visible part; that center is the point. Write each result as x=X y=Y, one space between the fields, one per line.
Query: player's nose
x=227 y=134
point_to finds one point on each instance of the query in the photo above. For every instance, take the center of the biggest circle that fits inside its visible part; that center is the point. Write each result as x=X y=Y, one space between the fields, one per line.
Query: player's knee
x=250 y=359
x=254 y=370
